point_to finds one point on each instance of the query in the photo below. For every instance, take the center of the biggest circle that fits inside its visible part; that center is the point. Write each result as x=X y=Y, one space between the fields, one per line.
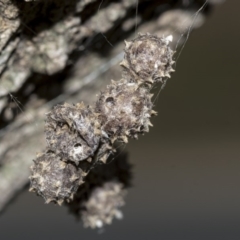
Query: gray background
x=187 y=169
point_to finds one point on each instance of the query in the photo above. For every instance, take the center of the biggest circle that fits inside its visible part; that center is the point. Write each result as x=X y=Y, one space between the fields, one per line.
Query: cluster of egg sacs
x=78 y=136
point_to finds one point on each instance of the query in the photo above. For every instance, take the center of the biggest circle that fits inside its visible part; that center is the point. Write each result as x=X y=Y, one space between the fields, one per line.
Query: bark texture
x=56 y=51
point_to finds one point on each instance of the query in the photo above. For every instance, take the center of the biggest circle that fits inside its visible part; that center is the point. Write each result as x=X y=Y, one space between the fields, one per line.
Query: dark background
x=187 y=169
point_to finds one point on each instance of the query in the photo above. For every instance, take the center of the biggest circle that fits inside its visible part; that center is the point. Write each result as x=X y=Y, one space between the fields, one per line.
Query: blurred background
x=186 y=170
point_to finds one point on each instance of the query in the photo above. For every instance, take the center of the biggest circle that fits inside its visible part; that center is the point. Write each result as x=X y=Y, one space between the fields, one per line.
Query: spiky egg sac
x=54 y=179
x=148 y=59
x=72 y=131
x=124 y=109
